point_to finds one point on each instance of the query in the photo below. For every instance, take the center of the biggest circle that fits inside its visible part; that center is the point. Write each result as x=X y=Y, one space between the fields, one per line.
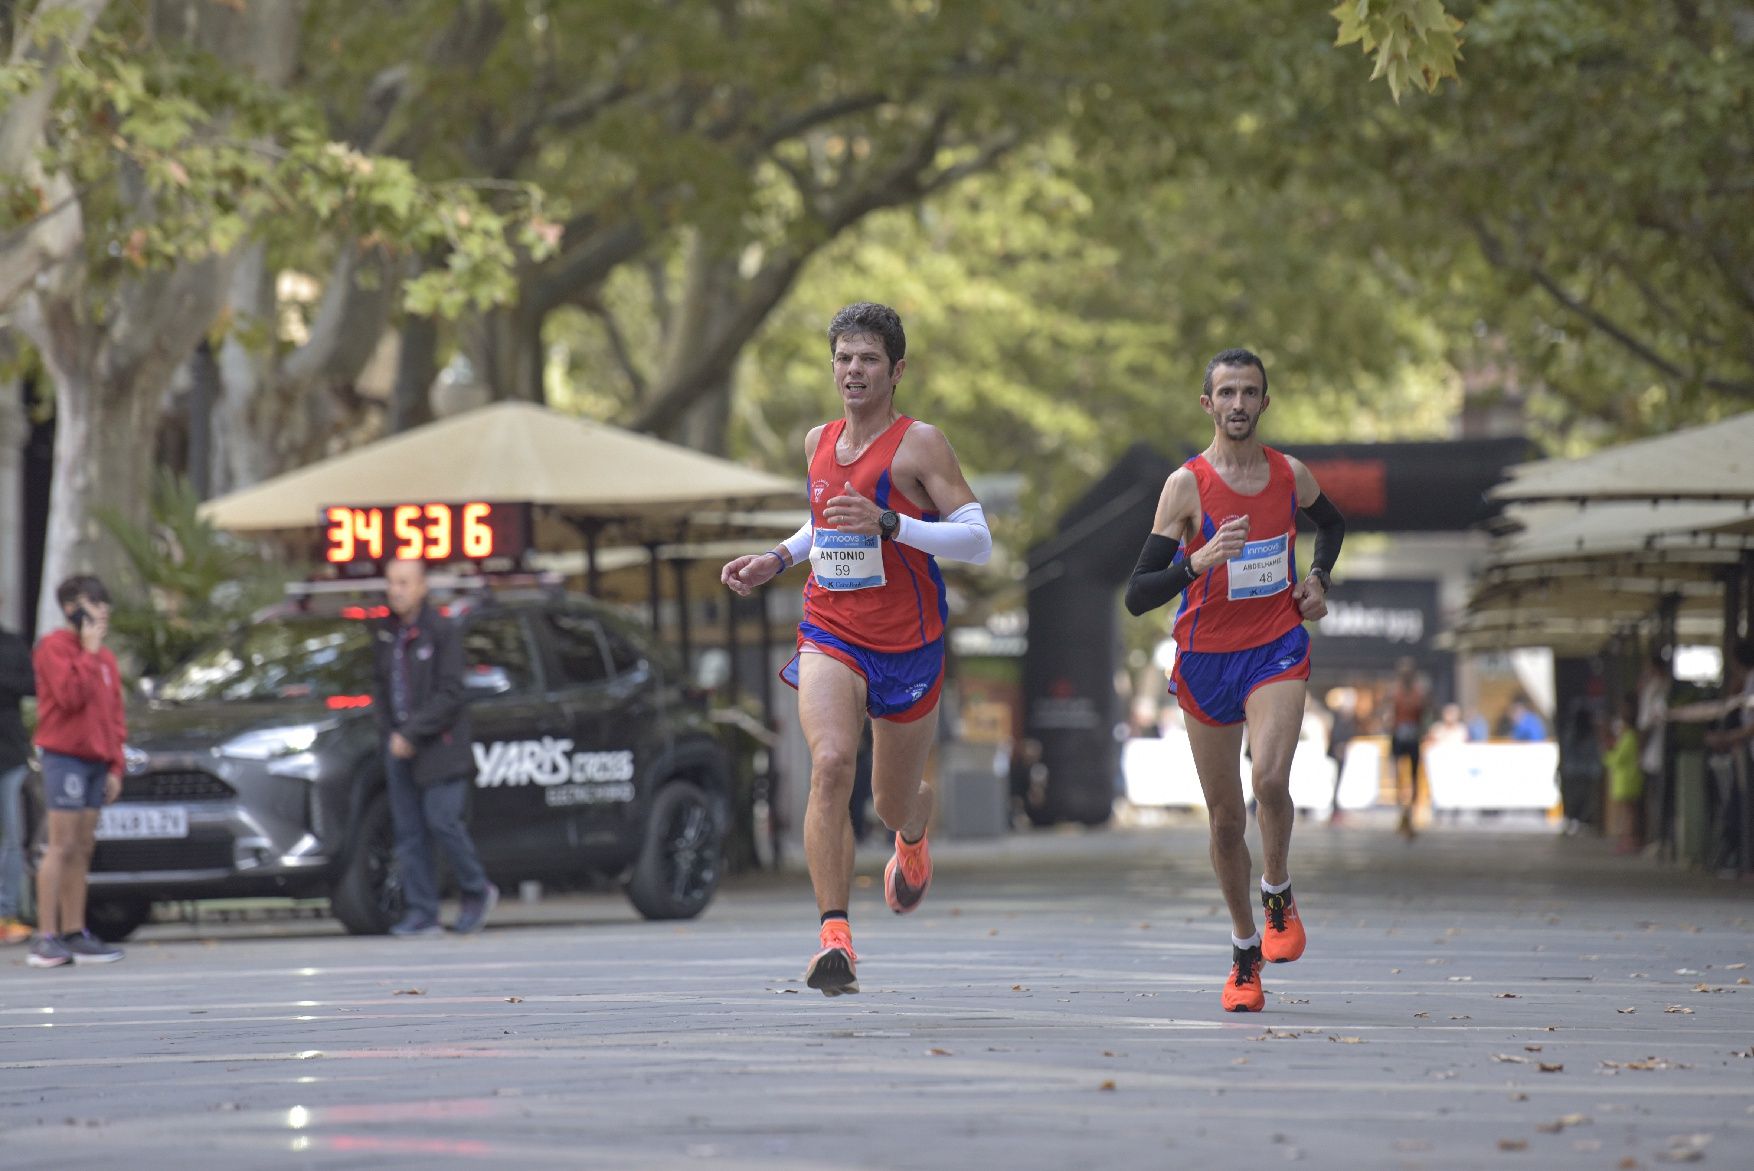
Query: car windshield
x=304 y=657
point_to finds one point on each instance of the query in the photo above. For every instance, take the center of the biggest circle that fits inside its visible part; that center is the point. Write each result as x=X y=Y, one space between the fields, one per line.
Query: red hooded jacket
x=79 y=700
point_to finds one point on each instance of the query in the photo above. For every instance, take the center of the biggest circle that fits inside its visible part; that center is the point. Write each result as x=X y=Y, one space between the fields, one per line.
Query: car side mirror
x=487 y=680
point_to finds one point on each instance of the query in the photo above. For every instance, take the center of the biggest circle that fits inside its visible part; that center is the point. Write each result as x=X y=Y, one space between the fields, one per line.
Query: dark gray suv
x=255 y=768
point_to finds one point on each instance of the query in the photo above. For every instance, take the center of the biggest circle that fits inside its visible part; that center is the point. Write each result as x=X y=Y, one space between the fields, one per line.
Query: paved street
x=1477 y=999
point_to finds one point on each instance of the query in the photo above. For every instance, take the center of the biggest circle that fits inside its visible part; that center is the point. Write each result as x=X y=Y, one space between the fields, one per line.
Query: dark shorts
x=72 y=782
x=900 y=687
x=1214 y=686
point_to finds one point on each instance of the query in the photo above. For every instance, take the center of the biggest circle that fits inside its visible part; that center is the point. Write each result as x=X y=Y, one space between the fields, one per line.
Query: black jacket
x=17 y=680
x=437 y=720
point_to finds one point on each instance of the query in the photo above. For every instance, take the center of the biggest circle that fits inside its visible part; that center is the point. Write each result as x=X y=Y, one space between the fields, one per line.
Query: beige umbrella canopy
x=506 y=453
x=1714 y=462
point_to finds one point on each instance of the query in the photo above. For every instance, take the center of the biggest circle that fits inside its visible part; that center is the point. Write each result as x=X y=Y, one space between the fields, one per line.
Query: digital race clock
x=472 y=531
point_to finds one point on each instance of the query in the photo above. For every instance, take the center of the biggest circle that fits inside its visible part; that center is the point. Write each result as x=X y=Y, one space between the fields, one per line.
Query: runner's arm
x=1159 y=576
x=795 y=547
x=1330 y=525
x=963 y=534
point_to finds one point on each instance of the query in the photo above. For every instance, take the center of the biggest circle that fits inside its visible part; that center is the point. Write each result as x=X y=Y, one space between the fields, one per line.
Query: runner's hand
x=1311 y=599
x=91 y=634
x=1226 y=543
x=852 y=513
x=746 y=573
x=112 y=788
x=401 y=747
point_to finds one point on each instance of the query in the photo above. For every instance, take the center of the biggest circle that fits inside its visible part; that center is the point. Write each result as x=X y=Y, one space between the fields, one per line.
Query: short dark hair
x=81 y=585
x=1742 y=650
x=1236 y=357
x=874 y=319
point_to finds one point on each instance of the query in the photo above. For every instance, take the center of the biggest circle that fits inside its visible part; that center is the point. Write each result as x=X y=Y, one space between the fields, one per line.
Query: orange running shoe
x=1242 y=992
x=12 y=931
x=833 y=970
x=1283 y=939
x=907 y=876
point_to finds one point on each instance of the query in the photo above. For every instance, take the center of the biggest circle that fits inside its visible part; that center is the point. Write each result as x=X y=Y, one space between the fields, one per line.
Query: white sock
x=1252 y=941
x=1269 y=888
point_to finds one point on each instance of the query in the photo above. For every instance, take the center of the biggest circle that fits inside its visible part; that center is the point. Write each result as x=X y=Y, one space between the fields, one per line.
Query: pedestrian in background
x=17 y=680
x=80 y=730
x=1625 y=777
x=428 y=758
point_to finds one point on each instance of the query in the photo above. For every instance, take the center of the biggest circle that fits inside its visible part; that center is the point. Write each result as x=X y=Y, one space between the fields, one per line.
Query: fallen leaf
x=1504 y=996
x=1519 y=1096
x=1239 y=1061
x=1108 y=1052
x=410 y=992
x=1685 y=1148
x=1347 y=1040
x=1703 y=988
x=514 y=1000
x=1734 y=967
x=936 y=1052
x=1018 y=988
x=1628 y=1163
x=1293 y=1000
x=1531 y=1048
x=1394 y=971
x=1107 y=1085
x=992 y=931
x=1683 y=1010
x=1744 y=980
x=1463 y=1017
x=1627 y=1011
x=1550 y=1066
x=1419 y=1016
x=1511 y=1058
x=1513 y=1144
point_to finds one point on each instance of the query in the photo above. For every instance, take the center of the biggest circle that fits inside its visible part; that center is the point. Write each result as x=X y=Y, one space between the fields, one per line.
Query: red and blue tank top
x=1245 y=602
x=880 y=595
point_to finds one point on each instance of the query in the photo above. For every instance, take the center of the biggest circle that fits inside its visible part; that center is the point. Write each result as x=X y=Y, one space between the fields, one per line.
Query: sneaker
x=86 y=948
x=415 y=927
x=1242 y=992
x=48 y=952
x=12 y=931
x=907 y=876
x=833 y=970
x=474 y=911
x=1283 y=939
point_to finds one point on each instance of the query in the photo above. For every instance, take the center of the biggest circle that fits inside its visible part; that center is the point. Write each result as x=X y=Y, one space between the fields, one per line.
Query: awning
x=505 y=453
x=1713 y=462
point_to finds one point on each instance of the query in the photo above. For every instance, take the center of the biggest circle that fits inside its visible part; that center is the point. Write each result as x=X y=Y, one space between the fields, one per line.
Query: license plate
x=125 y=822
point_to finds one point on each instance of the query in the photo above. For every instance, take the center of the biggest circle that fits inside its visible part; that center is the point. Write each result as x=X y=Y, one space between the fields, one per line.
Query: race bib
x=846 y=561
x=1262 y=568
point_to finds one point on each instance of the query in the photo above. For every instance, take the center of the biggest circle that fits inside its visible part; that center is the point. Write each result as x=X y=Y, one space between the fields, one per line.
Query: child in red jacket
x=79 y=737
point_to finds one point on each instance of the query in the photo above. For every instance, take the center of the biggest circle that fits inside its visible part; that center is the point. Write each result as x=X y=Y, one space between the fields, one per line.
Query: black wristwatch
x=887 y=523
x=1321 y=575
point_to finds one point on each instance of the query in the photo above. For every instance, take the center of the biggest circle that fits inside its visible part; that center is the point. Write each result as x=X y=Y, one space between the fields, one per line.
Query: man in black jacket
x=17 y=680
x=428 y=759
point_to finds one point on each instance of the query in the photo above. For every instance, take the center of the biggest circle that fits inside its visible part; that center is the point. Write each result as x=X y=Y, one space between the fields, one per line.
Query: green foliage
x=1415 y=42
x=197 y=583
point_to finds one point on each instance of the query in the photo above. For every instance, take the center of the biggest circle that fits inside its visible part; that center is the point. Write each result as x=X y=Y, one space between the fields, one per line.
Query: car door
x=518 y=742
x=592 y=700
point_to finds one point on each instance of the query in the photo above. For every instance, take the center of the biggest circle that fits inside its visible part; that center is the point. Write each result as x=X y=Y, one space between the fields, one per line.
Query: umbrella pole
x=653 y=587
x=732 y=683
x=679 y=568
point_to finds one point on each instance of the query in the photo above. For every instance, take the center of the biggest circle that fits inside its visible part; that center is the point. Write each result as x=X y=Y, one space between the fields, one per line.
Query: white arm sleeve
x=961 y=536
x=797 y=546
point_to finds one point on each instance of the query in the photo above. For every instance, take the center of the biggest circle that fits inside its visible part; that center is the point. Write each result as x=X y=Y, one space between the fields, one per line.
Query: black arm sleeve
x=1158 y=577
x=1330 y=531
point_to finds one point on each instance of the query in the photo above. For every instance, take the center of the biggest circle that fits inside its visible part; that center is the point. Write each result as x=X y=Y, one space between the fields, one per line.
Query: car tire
x=682 y=855
x=113 y=920
x=367 y=896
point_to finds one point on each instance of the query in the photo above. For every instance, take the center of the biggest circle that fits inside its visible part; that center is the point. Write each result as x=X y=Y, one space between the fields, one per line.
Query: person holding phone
x=80 y=730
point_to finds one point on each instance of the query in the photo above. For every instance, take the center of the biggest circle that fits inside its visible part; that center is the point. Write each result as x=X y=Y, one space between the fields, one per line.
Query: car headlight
x=269 y=743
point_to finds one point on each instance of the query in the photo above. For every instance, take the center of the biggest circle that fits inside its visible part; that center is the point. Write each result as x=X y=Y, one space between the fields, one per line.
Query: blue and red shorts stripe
x=900 y=687
x=1214 y=686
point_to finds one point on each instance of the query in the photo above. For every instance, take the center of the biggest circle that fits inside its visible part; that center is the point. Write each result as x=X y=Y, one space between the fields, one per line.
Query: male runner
x=1242 y=653
x=886 y=497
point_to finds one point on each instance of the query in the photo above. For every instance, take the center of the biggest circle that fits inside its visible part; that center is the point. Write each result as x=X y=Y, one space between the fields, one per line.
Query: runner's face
x=862 y=373
x=1236 y=402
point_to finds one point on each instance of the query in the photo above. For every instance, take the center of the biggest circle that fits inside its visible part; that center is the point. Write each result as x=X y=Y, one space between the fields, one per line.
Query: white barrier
x=1493 y=775
x=1159 y=772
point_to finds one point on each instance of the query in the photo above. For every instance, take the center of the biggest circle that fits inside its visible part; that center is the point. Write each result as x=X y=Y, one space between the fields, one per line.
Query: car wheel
x=367 y=897
x=113 y=920
x=680 y=860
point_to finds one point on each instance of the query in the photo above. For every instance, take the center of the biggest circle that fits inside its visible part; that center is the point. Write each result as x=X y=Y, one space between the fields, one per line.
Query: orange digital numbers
x=422 y=532
x=410 y=537
x=438 y=531
x=477 y=532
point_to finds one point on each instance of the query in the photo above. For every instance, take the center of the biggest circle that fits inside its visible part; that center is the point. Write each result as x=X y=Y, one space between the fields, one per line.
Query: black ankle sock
x=841 y=915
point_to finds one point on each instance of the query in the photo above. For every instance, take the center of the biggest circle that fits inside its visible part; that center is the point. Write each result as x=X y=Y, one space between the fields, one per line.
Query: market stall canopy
x=1642 y=533
x=510 y=452
x=1714 y=462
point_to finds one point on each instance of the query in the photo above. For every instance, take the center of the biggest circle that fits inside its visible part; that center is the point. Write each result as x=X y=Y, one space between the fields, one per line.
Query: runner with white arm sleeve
x=887 y=498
